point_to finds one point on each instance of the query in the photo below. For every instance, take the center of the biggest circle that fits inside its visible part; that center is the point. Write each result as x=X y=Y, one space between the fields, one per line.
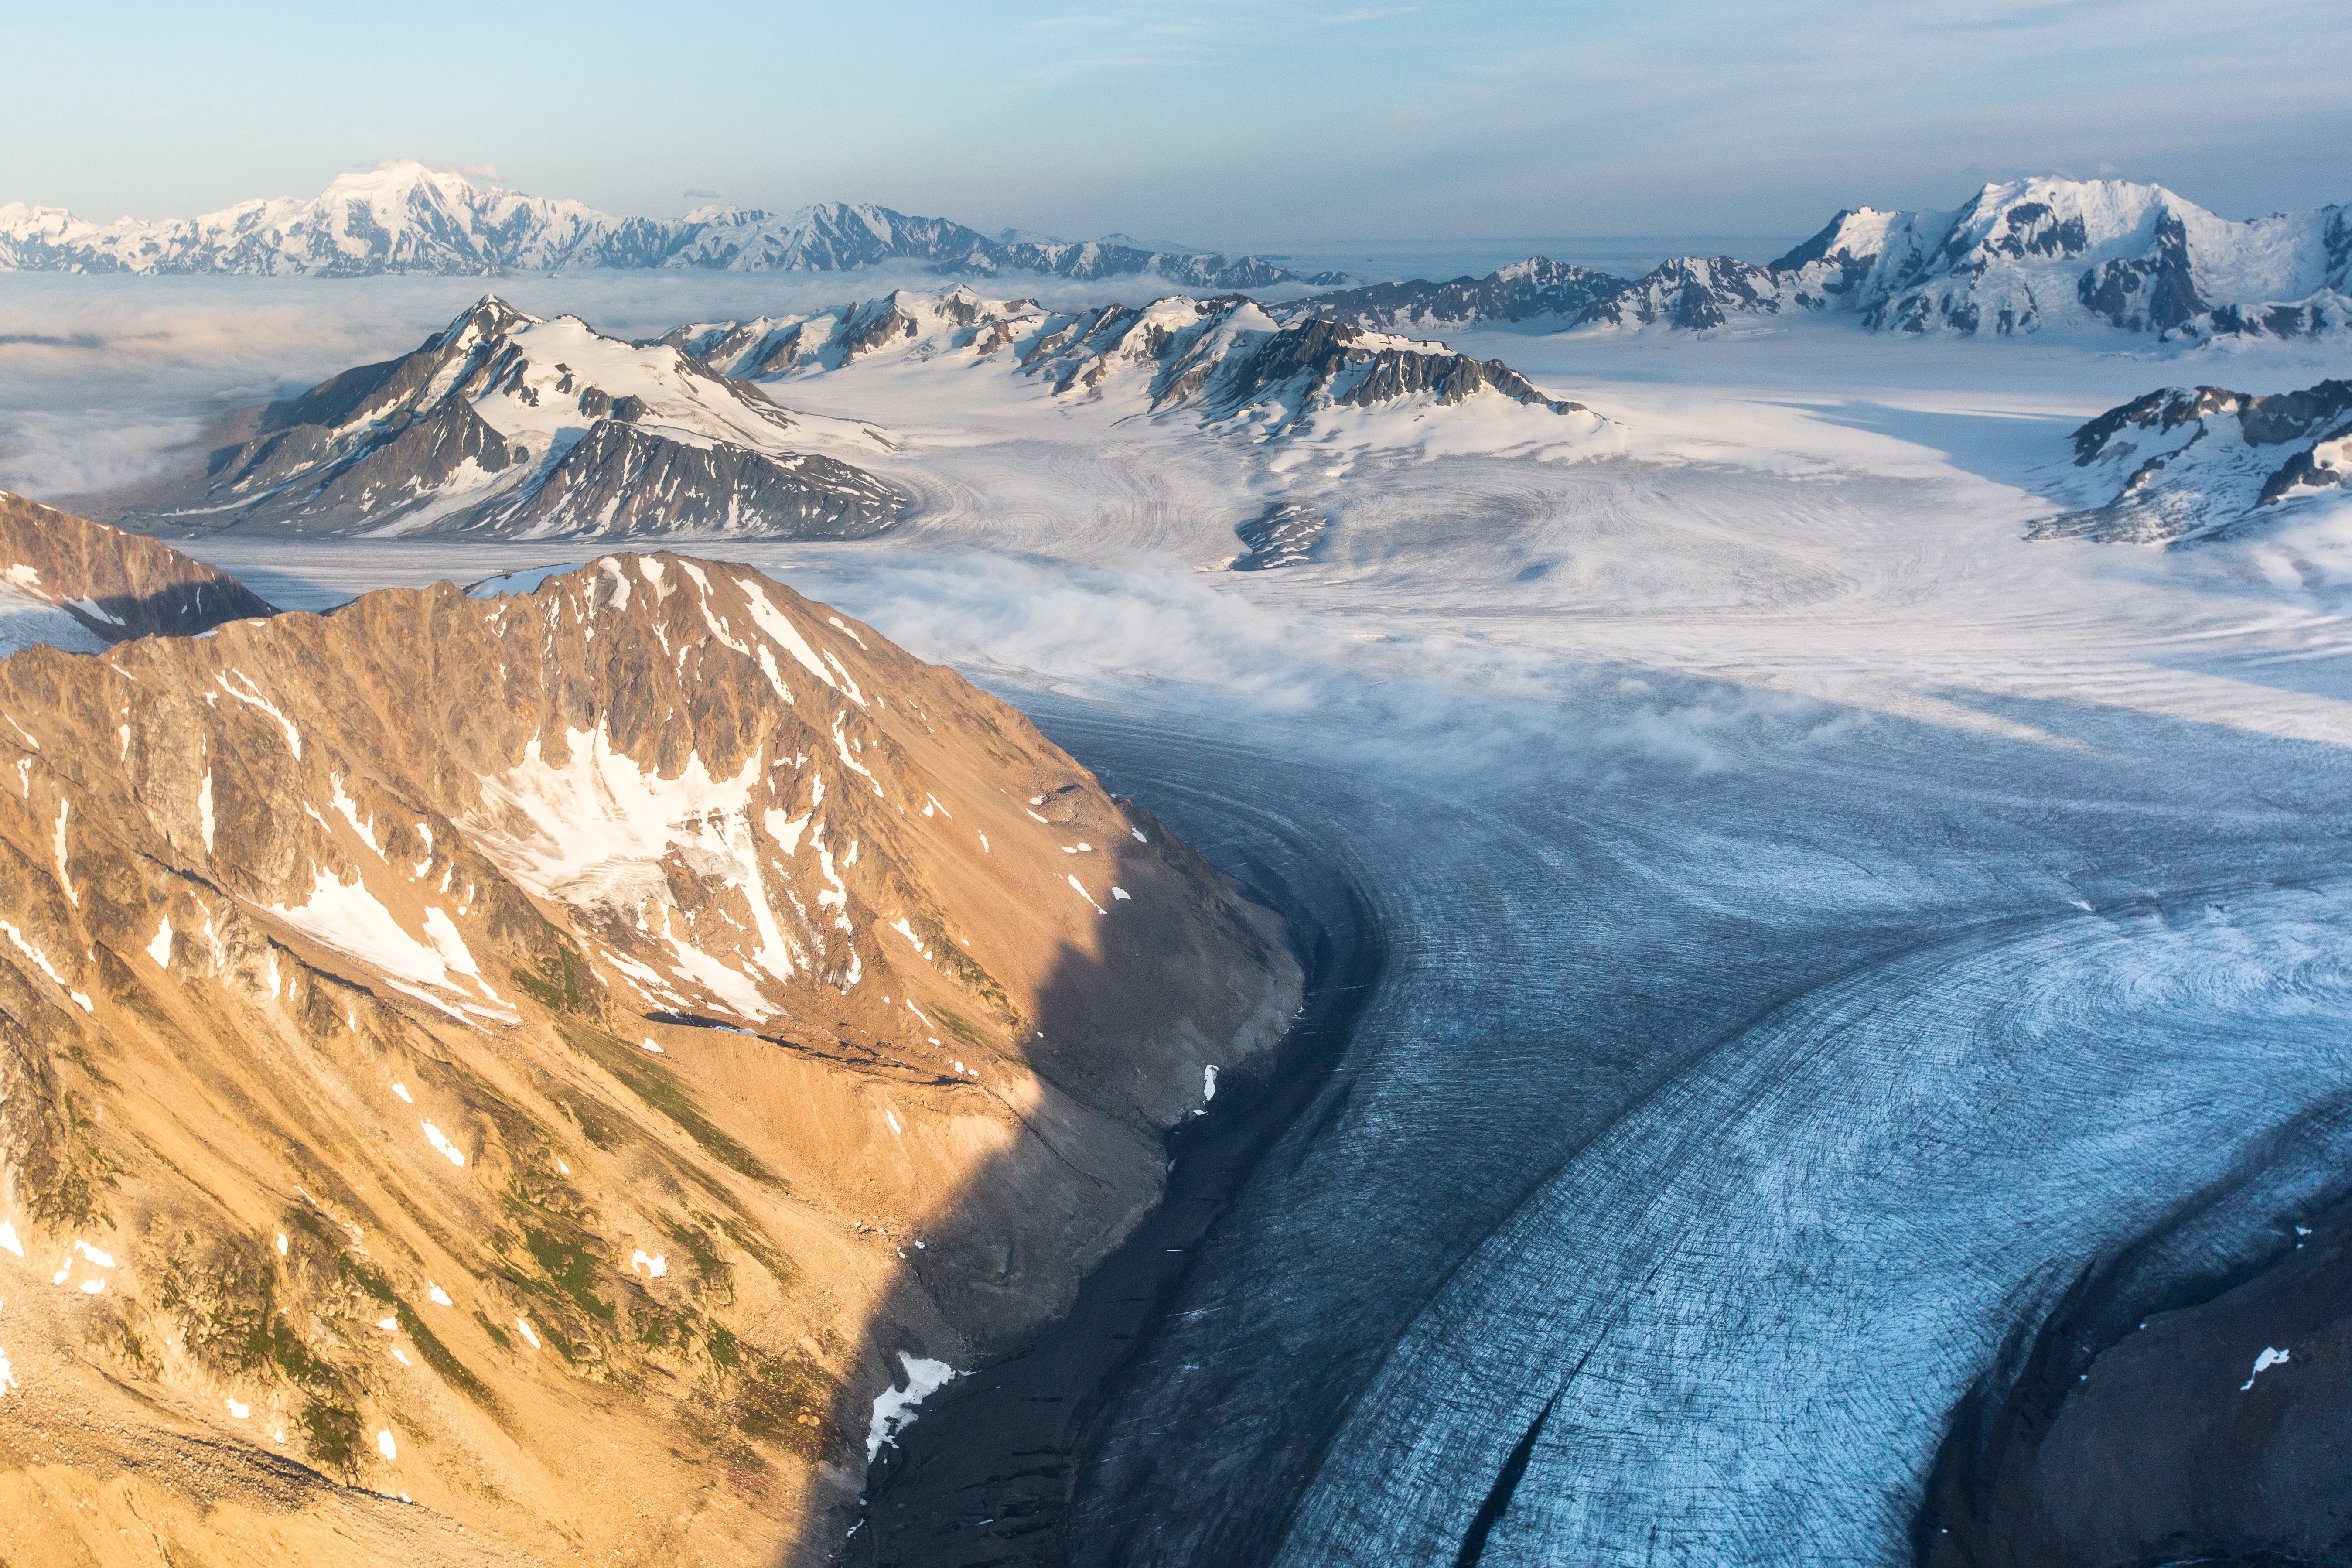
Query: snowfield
x=1820 y=922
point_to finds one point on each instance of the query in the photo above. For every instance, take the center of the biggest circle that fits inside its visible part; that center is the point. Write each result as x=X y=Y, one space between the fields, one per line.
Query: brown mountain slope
x=551 y=1059
x=81 y=585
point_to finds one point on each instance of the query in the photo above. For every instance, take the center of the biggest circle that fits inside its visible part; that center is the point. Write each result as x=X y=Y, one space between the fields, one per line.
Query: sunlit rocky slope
x=506 y=1079
x=82 y=586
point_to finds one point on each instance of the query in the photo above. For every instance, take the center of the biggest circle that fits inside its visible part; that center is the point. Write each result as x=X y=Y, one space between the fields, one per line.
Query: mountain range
x=403 y=216
x=2017 y=258
x=1222 y=358
x=458 y=1045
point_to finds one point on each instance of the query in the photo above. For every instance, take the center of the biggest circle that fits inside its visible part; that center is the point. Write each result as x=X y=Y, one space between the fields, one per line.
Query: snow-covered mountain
x=399 y=217
x=1221 y=359
x=2019 y=258
x=504 y=423
x=405 y=217
x=2188 y=463
x=2037 y=253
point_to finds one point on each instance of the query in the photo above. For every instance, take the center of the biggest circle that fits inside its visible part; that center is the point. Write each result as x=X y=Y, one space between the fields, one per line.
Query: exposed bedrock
x=2189 y=1401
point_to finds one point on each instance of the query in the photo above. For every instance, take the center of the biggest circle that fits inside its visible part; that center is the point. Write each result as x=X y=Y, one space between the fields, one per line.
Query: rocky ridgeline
x=455 y=1046
x=1220 y=358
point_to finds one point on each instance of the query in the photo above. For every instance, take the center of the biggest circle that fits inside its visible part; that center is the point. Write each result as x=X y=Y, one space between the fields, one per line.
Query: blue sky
x=1209 y=121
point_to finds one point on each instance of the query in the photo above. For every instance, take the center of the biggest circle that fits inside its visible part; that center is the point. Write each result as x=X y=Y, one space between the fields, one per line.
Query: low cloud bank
x=1151 y=635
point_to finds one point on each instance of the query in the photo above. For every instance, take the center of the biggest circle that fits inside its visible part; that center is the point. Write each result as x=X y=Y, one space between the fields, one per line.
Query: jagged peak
x=488 y=317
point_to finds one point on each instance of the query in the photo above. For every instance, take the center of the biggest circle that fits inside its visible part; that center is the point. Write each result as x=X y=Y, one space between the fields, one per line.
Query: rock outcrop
x=1284 y=535
x=558 y=1060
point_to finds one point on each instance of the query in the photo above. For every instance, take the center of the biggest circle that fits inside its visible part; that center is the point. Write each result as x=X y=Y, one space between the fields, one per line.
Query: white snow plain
x=1818 y=919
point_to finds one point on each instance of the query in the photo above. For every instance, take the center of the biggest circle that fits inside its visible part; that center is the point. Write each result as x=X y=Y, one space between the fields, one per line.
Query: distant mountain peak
x=392 y=173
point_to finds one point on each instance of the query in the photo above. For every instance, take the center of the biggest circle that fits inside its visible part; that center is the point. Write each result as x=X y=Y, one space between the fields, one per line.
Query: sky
x=1223 y=123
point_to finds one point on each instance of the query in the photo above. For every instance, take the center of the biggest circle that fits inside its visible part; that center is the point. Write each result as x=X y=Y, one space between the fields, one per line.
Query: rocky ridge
x=2185 y=464
x=403 y=216
x=1222 y=358
x=453 y=1047
x=504 y=425
x=82 y=586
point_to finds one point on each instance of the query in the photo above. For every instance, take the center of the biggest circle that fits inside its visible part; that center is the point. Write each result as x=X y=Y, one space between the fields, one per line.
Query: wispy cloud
x=483 y=170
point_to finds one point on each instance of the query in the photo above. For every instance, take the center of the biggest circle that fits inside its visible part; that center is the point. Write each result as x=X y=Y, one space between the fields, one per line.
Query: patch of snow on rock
x=2262 y=1364
x=894 y=1408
